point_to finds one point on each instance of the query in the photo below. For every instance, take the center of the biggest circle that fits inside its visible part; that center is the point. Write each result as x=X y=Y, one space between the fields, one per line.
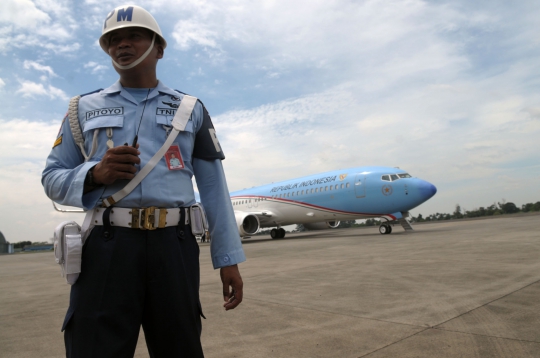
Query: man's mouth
x=124 y=56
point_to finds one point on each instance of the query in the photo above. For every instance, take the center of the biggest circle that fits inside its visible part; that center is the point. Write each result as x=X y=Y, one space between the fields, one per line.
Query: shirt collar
x=117 y=88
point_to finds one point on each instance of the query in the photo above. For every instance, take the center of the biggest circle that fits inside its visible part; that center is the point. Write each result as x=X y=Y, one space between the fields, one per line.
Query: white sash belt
x=179 y=123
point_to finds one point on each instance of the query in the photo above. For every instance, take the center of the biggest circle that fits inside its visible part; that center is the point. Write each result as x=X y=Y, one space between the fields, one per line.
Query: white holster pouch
x=198 y=221
x=68 y=246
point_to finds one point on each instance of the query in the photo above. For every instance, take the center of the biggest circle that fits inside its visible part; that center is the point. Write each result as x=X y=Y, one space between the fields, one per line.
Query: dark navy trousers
x=131 y=278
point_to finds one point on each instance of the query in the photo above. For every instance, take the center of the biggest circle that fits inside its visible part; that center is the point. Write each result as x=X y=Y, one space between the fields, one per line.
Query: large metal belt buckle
x=148 y=218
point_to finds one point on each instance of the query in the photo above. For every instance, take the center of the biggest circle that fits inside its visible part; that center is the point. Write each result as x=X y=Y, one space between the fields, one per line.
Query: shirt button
x=225 y=259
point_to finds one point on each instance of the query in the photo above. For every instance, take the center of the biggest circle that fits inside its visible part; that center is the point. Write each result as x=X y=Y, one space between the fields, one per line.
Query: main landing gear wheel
x=385 y=229
x=277 y=233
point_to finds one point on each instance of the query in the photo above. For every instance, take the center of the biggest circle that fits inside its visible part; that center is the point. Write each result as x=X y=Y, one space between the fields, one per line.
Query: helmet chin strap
x=139 y=60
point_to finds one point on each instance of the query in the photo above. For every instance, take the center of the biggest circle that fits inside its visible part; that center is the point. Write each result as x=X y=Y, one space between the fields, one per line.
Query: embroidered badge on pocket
x=174 y=158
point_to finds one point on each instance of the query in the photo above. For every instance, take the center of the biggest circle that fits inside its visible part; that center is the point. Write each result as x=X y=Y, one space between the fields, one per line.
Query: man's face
x=127 y=45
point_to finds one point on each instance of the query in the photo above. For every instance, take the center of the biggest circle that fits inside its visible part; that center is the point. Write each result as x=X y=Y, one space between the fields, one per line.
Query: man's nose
x=123 y=43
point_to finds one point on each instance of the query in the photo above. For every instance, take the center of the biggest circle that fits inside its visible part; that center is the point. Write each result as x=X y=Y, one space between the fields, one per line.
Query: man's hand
x=117 y=163
x=230 y=277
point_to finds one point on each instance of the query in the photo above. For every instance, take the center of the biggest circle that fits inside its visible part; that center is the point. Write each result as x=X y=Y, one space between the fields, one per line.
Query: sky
x=447 y=90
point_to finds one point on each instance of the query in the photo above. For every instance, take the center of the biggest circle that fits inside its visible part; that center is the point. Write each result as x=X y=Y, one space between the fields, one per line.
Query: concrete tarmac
x=467 y=288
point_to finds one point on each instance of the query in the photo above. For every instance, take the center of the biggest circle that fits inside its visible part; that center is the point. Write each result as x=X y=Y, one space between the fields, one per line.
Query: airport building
x=5 y=247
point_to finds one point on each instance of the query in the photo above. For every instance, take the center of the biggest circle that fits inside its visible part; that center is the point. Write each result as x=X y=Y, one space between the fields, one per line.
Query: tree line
x=494 y=209
x=22 y=244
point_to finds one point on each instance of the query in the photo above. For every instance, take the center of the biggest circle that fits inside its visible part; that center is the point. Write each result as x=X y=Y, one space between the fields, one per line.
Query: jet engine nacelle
x=248 y=224
x=323 y=225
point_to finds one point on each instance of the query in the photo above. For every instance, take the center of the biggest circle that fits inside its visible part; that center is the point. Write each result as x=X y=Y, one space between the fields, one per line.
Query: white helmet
x=130 y=16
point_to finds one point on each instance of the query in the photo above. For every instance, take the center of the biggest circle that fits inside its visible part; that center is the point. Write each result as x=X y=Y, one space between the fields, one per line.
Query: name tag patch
x=165 y=111
x=115 y=111
x=173 y=158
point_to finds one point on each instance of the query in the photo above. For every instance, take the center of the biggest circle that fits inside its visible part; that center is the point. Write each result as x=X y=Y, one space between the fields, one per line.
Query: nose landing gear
x=385 y=229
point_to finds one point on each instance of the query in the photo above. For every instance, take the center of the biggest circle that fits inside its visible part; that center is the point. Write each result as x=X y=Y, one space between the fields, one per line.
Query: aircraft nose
x=427 y=189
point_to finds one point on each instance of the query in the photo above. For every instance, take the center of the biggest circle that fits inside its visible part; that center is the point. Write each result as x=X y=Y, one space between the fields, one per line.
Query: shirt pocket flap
x=167 y=121
x=104 y=122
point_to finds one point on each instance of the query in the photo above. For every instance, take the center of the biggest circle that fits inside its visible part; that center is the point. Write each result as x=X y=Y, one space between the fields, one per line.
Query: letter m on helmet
x=124 y=14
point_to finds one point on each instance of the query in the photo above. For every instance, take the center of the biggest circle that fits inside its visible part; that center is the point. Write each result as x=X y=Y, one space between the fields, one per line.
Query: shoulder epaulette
x=96 y=91
x=198 y=100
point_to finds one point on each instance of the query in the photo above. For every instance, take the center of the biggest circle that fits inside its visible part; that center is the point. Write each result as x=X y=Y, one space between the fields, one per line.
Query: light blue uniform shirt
x=114 y=107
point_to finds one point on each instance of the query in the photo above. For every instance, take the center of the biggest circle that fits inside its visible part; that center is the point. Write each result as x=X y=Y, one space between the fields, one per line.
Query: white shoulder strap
x=179 y=123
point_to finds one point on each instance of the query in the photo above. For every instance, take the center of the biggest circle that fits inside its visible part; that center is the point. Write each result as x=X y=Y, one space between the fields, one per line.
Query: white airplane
x=322 y=200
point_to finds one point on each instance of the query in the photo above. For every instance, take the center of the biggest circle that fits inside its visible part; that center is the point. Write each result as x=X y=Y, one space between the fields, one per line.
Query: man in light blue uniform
x=131 y=276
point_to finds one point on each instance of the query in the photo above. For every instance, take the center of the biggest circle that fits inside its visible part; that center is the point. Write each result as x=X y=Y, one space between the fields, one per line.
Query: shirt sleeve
x=65 y=171
x=225 y=245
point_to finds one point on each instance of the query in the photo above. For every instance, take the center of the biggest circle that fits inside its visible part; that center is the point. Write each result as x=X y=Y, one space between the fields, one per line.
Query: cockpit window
x=406 y=175
x=385 y=178
x=394 y=177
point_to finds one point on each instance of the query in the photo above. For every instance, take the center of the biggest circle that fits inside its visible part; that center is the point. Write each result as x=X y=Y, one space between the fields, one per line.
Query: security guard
x=131 y=276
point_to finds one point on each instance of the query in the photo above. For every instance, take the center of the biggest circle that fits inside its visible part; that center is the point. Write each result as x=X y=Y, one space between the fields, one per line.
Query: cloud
x=22 y=14
x=42 y=23
x=445 y=134
x=444 y=89
x=22 y=162
x=31 y=89
x=95 y=67
x=39 y=67
x=191 y=32
x=40 y=137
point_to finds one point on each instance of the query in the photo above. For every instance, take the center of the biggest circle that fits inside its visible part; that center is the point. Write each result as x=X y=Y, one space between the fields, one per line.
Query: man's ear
x=160 y=51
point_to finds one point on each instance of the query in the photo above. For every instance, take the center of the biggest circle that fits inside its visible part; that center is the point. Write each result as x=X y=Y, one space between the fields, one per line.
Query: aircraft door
x=360 y=186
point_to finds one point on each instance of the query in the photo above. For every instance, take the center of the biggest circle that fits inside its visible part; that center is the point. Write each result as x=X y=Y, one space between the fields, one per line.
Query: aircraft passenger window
x=342 y=186
x=385 y=178
x=394 y=177
x=337 y=186
x=330 y=187
x=316 y=190
x=302 y=192
x=348 y=185
x=311 y=191
x=326 y=188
